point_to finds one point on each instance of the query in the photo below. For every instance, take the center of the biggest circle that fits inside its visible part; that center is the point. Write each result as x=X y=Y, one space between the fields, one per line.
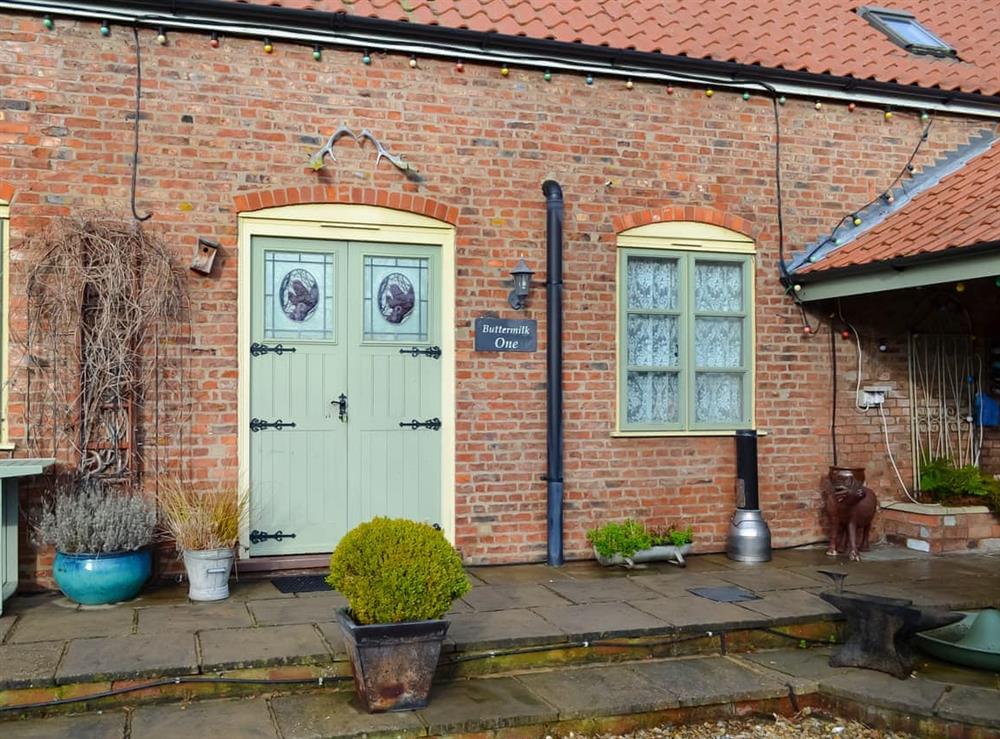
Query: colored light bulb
x=48 y=22
x=366 y=59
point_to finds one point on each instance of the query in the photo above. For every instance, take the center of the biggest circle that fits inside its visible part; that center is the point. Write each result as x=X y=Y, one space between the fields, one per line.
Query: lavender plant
x=88 y=518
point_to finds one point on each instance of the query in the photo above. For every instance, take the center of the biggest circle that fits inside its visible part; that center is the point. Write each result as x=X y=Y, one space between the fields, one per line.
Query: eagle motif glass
x=298 y=296
x=395 y=298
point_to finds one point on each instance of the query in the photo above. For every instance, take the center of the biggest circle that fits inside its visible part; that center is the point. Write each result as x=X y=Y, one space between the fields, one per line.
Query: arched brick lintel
x=259 y=199
x=696 y=213
x=6 y=191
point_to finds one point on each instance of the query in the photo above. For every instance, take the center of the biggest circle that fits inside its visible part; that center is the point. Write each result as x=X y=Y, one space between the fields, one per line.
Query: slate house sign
x=506 y=334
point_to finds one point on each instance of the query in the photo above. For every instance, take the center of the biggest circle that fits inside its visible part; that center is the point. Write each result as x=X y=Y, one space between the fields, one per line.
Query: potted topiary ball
x=399 y=578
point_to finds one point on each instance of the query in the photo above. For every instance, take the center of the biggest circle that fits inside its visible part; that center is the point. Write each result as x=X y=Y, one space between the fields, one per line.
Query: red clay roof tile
x=818 y=36
x=960 y=211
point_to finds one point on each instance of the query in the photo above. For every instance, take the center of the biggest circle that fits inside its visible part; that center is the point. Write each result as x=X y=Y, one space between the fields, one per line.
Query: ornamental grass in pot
x=101 y=534
x=400 y=578
x=205 y=528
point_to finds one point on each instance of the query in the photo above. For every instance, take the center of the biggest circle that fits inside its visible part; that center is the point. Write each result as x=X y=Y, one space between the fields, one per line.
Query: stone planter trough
x=666 y=553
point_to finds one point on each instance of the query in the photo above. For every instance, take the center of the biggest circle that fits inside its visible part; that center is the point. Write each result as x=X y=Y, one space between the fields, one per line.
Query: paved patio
x=47 y=641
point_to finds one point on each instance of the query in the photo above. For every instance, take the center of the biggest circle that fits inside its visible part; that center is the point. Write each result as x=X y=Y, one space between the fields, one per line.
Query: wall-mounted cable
x=138 y=114
x=885 y=196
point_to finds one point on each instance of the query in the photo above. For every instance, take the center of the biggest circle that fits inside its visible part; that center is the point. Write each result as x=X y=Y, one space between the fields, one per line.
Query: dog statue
x=850 y=508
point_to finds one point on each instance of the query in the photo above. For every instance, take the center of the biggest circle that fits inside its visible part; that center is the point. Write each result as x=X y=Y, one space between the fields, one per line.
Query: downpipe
x=554 y=366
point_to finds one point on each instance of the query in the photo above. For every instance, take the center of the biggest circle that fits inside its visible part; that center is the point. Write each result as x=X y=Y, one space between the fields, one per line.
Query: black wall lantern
x=518 y=297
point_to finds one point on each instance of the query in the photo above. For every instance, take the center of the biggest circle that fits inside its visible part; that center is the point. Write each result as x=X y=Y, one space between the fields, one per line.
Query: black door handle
x=341 y=404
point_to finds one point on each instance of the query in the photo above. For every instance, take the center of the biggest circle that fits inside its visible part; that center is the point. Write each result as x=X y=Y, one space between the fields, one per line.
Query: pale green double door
x=345 y=389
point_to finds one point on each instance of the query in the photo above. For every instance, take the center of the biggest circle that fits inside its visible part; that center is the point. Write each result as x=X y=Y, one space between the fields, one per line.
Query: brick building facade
x=230 y=129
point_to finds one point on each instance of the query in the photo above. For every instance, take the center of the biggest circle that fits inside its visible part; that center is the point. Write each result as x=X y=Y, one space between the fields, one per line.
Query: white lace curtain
x=657 y=313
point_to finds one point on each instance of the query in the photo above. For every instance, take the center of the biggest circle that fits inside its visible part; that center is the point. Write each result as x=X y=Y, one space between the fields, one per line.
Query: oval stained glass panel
x=396 y=297
x=299 y=295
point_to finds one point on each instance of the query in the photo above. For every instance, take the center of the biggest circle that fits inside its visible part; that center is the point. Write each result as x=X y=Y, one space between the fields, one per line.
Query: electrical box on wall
x=873 y=395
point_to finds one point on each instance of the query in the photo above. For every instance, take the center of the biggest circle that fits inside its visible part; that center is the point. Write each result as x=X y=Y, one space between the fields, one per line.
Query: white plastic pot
x=208 y=573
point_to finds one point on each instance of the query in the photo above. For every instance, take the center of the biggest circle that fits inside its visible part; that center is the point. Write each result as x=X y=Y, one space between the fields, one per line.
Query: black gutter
x=553 y=363
x=899 y=264
x=341 y=22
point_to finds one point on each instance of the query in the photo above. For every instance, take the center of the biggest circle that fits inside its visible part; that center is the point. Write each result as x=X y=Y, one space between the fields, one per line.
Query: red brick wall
x=219 y=122
x=991 y=451
x=936 y=533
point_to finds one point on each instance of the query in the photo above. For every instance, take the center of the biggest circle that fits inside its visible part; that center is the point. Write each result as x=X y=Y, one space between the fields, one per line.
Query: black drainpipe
x=553 y=356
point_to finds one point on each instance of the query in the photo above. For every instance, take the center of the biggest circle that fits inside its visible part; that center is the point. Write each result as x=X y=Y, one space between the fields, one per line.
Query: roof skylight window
x=904 y=29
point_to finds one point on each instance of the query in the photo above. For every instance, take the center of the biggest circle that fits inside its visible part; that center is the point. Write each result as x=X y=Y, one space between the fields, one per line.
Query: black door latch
x=341 y=404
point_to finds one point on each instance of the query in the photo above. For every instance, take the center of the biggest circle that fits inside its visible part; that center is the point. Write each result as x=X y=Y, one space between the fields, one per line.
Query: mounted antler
x=316 y=160
x=397 y=161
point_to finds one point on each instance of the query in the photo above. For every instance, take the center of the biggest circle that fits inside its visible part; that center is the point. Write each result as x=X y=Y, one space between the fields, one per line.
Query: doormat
x=725 y=594
x=301 y=583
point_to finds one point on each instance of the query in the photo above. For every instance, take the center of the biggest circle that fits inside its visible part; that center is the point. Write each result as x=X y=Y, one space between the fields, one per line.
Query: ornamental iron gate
x=945 y=375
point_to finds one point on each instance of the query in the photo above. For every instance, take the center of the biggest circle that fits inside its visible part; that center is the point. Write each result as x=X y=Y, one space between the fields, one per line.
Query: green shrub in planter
x=393 y=570
x=676 y=537
x=625 y=538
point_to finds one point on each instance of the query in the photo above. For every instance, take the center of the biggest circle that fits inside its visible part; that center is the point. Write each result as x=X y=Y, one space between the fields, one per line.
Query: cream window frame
x=687 y=241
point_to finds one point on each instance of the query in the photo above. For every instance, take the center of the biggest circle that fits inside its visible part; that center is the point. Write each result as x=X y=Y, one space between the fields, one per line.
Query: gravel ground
x=802 y=726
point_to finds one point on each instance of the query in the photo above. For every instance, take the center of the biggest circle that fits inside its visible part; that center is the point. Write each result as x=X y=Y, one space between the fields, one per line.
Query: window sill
x=7 y=446
x=656 y=434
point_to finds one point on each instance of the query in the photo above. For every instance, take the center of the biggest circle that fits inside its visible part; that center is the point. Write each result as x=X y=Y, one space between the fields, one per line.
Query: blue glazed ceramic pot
x=96 y=579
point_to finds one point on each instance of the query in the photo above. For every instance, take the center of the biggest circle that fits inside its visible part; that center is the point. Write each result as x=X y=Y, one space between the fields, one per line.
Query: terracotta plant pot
x=844 y=475
x=392 y=664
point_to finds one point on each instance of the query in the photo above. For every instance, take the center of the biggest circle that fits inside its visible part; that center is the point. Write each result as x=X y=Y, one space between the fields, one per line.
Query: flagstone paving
x=277 y=645
x=508 y=606
x=28 y=665
x=127 y=657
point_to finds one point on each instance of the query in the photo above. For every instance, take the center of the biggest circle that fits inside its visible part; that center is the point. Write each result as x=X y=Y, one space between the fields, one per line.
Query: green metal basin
x=974 y=641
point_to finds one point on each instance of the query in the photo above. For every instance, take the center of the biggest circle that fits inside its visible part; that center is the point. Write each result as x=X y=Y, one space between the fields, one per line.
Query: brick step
x=289 y=670
x=595 y=699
